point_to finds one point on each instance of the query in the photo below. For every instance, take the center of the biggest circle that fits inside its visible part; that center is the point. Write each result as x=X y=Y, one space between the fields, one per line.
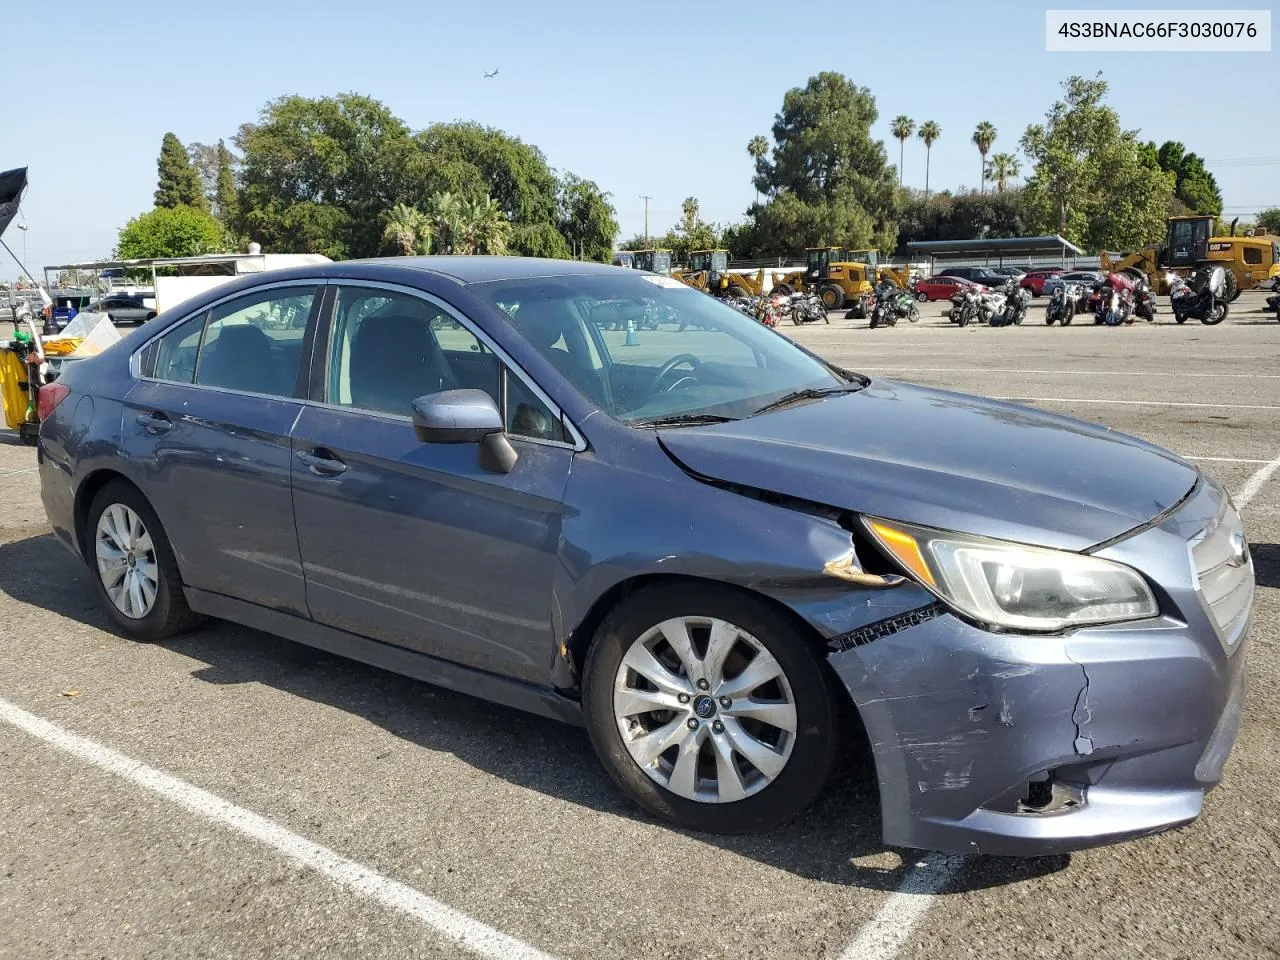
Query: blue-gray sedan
x=602 y=496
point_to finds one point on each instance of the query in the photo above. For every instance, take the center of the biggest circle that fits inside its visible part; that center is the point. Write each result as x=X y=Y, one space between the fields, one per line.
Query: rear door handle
x=155 y=422
x=321 y=462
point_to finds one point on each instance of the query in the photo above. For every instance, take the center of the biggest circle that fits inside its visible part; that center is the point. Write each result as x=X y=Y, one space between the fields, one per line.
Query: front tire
x=674 y=655
x=1216 y=315
x=132 y=565
x=832 y=296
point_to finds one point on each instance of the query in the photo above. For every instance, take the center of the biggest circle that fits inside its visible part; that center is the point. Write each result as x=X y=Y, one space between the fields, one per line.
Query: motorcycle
x=808 y=308
x=1062 y=304
x=904 y=306
x=1273 y=301
x=990 y=304
x=1205 y=302
x=1115 y=302
x=968 y=307
x=883 y=313
x=1014 y=309
x=1144 y=301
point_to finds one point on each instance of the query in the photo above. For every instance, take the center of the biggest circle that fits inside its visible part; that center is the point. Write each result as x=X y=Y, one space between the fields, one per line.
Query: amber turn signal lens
x=904 y=549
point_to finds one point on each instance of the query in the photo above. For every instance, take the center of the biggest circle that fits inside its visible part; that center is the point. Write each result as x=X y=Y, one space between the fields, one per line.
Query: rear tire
x=737 y=291
x=717 y=795
x=783 y=288
x=922 y=297
x=164 y=611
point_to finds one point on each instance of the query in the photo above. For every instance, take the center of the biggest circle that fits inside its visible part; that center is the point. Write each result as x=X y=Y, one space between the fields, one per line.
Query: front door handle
x=155 y=422
x=321 y=462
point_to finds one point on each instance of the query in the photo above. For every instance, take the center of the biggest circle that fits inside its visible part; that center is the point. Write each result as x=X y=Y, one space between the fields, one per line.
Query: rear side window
x=251 y=344
x=173 y=357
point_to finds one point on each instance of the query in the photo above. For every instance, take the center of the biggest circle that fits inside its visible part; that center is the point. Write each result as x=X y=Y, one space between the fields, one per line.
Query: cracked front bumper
x=1133 y=722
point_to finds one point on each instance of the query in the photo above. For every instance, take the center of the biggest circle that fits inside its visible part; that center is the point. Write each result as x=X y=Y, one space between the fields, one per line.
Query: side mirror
x=465 y=416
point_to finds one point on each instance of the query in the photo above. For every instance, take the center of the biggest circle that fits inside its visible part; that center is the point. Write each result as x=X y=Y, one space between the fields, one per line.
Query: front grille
x=1224 y=571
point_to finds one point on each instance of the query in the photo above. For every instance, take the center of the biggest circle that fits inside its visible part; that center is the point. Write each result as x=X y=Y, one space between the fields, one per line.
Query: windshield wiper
x=811 y=393
x=683 y=420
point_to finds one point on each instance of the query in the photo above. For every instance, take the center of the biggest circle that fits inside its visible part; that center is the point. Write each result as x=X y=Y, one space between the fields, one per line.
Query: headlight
x=1012 y=586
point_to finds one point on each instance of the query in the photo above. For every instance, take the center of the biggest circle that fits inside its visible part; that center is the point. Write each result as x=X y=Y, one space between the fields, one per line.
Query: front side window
x=388 y=348
x=254 y=343
x=647 y=348
x=1252 y=255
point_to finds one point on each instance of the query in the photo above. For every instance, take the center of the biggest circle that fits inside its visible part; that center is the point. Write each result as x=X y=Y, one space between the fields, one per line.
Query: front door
x=208 y=424
x=415 y=543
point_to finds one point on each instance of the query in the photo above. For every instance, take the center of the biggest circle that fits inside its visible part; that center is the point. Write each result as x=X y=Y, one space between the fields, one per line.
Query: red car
x=1034 y=280
x=941 y=288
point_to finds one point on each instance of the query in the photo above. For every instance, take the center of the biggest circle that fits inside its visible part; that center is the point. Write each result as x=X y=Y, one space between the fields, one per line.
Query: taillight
x=50 y=395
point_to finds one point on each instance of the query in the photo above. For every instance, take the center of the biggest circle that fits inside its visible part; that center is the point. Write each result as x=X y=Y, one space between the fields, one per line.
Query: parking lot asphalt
x=231 y=794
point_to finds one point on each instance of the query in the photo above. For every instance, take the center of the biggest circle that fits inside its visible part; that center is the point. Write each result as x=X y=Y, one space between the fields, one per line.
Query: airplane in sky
x=490 y=76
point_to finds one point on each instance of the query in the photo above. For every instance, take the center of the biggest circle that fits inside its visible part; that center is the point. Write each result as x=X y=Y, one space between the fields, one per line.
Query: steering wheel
x=670 y=365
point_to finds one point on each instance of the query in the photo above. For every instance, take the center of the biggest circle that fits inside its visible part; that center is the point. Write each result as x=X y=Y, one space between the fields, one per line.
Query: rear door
x=207 y=426
x=414 y=543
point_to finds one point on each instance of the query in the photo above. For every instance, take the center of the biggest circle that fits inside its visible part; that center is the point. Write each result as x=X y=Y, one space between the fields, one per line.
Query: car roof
x=486 y=269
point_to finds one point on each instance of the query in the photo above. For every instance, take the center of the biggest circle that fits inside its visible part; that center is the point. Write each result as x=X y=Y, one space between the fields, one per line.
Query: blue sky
x=657 y=98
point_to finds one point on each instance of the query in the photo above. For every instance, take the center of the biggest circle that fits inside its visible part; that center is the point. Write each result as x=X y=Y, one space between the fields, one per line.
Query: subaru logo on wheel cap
x=704 y=707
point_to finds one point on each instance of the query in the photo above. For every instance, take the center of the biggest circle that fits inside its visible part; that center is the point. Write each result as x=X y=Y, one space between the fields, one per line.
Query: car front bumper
x=1032 y=745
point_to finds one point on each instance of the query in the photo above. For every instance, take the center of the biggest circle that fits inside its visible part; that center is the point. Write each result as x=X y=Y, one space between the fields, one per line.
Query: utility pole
x=646 y=200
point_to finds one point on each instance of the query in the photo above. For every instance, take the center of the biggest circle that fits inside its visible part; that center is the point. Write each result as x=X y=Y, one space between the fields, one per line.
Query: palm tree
x=983 y=137
x=1002 y=168
x=902 y=128
x=929 y=133
x=408 y=231
x=757 y=147
x=488 y=228
x=444 y=213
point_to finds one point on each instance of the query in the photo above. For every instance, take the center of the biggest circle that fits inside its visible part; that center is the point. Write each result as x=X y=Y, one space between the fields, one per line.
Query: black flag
x=12 y=183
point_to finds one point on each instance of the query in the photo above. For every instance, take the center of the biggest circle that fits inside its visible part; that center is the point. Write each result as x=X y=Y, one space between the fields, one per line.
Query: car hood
x=945 y=460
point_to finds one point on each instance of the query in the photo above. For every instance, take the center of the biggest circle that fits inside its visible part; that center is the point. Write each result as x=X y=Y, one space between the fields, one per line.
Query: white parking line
x=1067 y=371
x=440 y=919
x=1255 y=482
x=1142 y=403
x=1229 y=460
x=884 y=934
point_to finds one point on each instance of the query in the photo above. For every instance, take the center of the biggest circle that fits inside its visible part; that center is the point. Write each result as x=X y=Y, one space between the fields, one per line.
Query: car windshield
x=647 y=348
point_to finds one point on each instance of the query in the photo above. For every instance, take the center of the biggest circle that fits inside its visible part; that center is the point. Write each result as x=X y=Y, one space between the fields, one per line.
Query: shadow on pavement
x=836 y=841
x=1266 y=563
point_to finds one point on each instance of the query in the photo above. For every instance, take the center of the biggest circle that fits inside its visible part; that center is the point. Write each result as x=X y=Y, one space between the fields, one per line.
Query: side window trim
x=321 y=358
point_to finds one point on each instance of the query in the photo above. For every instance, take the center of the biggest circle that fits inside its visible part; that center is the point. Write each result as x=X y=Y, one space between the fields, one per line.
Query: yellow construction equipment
x=708 y=271
x=655 y=261
x=1188 y=246
x=842 y=278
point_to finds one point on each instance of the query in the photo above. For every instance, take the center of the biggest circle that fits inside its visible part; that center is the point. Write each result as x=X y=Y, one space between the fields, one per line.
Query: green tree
x=179 y=183
x=929 y=133
x=962 y=217
x=757 y=149
x=827 y=176
x=1194 y=187
x=485 y=226
x=224 y=187
x=587 y=220
x=902 y=128
x=1002 y=168
x=204 y=159
x=472 y=160
x=1270 y=218
x=180 y=231
x=1090 y=182
x=983 y=137
x=317 y=175
x=539 y=240
x=406 y=231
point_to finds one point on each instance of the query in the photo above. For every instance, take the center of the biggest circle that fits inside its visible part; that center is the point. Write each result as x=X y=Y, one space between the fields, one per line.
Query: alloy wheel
x=126 y=560
x=704 y=709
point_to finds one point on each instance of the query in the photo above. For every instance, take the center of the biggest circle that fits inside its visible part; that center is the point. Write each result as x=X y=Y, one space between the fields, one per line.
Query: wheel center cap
x=704 y=707
x=132 y=560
